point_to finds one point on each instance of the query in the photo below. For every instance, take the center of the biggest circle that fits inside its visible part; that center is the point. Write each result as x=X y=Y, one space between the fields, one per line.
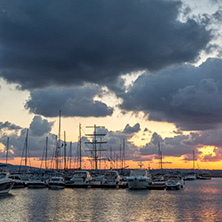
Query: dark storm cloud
x=170 y=146
x=206 y=138
x=131 y=129
x=76 y=101
x=62 y=42
x=9 y=126
x=190 y=97
x=176 y=146
x=40 y=127
x=38 y=130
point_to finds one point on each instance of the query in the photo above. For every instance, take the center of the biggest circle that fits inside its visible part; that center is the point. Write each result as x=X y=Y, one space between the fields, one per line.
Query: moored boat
x=138 y=179
x=6 y=183
x=173 y=183
x=110 y=178
x=36 y=183
x=190 y=176
x=19 y=183
x=81 y=178
x=56 y=182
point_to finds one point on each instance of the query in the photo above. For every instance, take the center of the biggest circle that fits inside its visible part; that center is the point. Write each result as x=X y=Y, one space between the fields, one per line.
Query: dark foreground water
x=198 y=201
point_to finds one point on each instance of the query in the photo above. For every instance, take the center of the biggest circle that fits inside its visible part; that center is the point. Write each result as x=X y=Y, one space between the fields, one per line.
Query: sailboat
x=26 y=174
x=191 y=175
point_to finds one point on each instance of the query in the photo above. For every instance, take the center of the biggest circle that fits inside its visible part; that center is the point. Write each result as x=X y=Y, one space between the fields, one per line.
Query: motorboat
x=19 y=183
x=139 y=179
x=26 y=177
x=56 y=182
x=173 y=183
x=190 y=176
x=159 y=179
x=80 y=178
x=36 y=183
x=6 y=183
x=110 y=178
x=203 y=177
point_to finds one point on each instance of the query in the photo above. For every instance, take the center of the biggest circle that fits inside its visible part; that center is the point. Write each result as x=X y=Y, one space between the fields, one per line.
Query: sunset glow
x=207 y=150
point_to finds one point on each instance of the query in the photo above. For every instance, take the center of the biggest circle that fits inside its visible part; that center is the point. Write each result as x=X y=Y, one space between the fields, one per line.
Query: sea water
x=199 y=200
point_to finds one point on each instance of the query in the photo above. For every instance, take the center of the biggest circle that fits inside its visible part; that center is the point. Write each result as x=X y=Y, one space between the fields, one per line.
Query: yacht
x=159 y=179
x=56 y=182
x=179 y=177
x=6 y=183
x=139 y=179
x=110 y=178
x=173 y=183
x=36 y=183
x=81 y=178
x=19 y=183
x=190 y=176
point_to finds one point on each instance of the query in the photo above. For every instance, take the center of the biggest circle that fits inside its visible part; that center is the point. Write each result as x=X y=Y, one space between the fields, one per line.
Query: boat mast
x=58 y=143
x=64 y=149
x=120 y=154
x=100 y=153
x=111 y=157
x=80 y=147
x=46 y=153
x=123 y=152
x=160 y=156
x=193 y=160
x=95 y=150
x=114 y=160
x=7 y=147
x=70 y=155
x=95 y=142
x=26 y=151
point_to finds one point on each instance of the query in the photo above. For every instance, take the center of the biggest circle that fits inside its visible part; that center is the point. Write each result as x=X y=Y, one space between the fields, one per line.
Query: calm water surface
x=198 y=201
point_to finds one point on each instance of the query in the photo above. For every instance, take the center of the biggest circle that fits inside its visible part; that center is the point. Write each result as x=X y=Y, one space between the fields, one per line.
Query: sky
x=149 y=71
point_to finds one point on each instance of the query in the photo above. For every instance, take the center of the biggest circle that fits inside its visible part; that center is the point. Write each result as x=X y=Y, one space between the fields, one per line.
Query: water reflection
x=7 y=195
x=198 y=201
